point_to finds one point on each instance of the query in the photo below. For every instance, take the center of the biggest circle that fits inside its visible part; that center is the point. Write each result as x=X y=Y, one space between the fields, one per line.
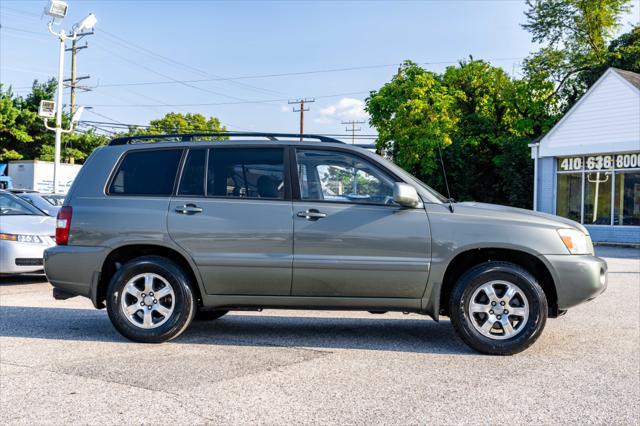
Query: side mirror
x=405 y=195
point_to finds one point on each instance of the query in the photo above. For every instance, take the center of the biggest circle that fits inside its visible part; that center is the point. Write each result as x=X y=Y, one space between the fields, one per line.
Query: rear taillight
x=63 y=224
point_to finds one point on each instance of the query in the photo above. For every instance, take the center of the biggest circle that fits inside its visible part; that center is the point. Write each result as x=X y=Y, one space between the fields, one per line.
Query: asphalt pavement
x=61 y=362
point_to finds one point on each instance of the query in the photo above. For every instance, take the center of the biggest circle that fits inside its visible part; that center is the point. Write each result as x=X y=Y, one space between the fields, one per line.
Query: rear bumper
x=578 y=278
x=74 y=270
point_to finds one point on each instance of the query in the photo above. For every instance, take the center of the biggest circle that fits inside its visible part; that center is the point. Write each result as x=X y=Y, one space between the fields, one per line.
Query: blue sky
x=164 y=41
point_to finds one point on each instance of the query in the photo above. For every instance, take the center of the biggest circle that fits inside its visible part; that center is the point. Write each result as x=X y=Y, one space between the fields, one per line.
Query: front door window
x=336 y=176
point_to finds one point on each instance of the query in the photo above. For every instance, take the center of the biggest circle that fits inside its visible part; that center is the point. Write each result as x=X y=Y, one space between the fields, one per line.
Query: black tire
x=183 y=300
x=462 y=320
x=210 y=315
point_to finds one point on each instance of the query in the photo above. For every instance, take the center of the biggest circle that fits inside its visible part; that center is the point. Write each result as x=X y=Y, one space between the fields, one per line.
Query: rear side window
x=246 y=173
x=192 y=180
x=150 y=172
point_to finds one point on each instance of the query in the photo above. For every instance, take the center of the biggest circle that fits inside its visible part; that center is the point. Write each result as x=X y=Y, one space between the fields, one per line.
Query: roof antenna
x=446 y=183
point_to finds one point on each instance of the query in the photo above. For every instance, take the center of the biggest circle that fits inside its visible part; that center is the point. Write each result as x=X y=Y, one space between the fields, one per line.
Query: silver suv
x=162 y=229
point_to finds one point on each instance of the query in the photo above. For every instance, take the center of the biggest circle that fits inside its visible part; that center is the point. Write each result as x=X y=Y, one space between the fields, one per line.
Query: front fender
x=462 y=231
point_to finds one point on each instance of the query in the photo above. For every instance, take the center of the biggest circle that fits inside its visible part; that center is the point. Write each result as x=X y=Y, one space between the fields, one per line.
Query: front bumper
x=578 y=278
x=74 y=269
x=21 y=258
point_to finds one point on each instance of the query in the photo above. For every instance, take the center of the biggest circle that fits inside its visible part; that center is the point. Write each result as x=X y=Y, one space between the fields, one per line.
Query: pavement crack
x=173 y=396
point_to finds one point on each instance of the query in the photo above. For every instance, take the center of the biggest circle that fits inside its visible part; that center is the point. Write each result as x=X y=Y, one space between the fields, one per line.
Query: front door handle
x=188 y=209
x=312 y=214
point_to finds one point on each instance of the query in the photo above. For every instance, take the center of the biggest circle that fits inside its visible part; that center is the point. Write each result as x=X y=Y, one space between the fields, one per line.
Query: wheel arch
x=467 y=259
x=124 y=253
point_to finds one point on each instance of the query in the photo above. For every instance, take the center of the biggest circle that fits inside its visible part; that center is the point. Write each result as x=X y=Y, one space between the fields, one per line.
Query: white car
x=48 y=203
x=25 y=232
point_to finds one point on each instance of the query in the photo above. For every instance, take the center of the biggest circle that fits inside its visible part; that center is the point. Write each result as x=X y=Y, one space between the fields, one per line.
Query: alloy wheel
x=148 y=300
x=498 y=310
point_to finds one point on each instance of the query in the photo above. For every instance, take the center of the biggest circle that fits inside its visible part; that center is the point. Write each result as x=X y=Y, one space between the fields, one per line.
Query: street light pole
x=57 y=9
x=58 y=142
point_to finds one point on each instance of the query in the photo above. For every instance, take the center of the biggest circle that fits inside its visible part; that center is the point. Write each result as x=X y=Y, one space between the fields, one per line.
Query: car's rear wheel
x=150 y=300
x=498 y=308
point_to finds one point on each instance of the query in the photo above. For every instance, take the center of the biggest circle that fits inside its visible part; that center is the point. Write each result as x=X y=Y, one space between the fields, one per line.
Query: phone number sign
x=599 y=162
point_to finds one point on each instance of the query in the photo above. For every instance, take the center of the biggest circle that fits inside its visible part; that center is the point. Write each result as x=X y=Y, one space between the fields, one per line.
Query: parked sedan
x=25 y=232
x=48 y=203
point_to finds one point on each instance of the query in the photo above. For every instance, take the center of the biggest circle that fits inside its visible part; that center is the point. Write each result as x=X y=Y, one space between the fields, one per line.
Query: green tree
x=575 y=35
x=484 y=120
x=175 y=122
x=623 y=53
x=490 y=119
x=413 y=114
x=22 y=131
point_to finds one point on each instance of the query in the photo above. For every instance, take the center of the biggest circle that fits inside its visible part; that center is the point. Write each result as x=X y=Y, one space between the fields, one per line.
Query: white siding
x=606 y=119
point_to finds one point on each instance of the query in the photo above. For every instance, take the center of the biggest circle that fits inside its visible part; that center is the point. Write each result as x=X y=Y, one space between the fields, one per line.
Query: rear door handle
x=312 y=214
x=189 y=209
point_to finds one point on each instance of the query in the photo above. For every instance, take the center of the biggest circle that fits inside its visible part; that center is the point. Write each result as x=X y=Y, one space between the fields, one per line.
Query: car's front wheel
x=150 y=300
x=498 y=308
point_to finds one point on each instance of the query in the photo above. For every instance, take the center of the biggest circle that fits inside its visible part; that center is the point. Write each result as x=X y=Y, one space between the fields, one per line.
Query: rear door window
x=246 y=173
x=192 y=180
x=147 y=172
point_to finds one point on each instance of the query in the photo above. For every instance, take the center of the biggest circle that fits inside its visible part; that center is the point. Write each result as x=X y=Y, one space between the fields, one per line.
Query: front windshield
x=431 y=191
x=434 y=196
x=13 y=206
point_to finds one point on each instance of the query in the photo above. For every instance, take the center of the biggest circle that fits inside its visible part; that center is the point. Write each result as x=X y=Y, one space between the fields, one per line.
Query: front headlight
x=576 y=242
x=21 y=238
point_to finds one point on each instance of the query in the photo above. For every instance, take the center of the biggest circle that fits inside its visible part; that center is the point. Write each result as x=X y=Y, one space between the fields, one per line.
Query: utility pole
x=353 y=128
x=301 y=110
x=72 y=82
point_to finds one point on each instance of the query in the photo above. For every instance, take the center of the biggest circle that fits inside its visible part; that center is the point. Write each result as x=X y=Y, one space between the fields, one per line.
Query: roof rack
x=187 y=137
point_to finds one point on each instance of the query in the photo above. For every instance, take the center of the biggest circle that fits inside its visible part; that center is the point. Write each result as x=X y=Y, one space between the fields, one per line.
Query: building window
x=627 y=199
x=569 y=195
x=597 y=198
x=599 y=189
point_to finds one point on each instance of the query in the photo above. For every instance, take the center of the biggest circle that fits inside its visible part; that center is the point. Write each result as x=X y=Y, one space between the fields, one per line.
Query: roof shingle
x=631 y=77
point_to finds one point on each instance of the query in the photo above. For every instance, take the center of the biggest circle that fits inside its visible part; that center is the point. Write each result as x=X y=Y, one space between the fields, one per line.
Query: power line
x=113 y=120
x=256 y=76
x=214 y=77
x=4 y=27
x=119 y=125
x=22 y=12
x=288 y=74
x=210 y=76
x=259 y=101
x=165 y=75
x=172 y=80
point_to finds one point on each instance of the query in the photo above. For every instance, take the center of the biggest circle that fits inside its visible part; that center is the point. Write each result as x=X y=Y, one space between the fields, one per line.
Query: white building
x=588 y=165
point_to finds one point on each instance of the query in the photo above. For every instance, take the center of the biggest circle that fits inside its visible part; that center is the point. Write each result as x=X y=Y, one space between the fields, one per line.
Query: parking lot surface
x=62 y=362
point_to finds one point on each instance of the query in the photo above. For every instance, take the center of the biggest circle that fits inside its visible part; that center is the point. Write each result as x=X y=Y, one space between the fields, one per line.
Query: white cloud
x=344 y=109
x=285 y=108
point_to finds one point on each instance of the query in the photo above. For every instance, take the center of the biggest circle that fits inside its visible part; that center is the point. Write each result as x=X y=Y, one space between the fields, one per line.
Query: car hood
x=28 y=225
x=512 y=213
